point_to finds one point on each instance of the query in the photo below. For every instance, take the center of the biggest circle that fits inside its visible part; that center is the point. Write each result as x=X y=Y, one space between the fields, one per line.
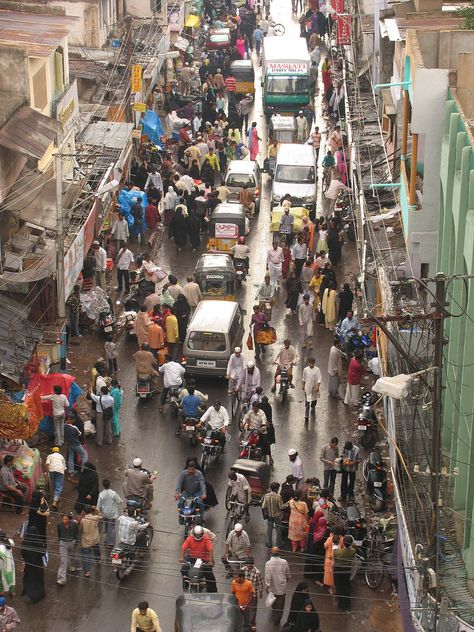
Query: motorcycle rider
x=173 y=374
x=139 y=482
x=191 y=483
x=190 y=406
x=286 y=358
x=350 y=327
x=198 y=546
x=217 y=419
x=234 y=369
x=184 y=391
x=146 y=364
x=248 y=381
x=240 y=252
x=240 y=491
x=131 y=532
x=266 y=291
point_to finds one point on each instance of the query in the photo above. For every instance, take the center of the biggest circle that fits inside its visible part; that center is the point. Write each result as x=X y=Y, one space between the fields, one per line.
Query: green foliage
x=467 y=14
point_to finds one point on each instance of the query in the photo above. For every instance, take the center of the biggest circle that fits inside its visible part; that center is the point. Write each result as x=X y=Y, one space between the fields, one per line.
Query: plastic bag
x=270 y=600
x=250 y=342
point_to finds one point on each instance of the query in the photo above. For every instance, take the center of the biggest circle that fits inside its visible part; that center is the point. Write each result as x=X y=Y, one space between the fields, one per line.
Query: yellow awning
x=192 y=21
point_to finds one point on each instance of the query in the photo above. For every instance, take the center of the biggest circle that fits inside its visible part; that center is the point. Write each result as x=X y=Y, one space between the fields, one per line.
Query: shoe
x=177 y=433
x=306 y=419
x=273 y=389
x=60 y=582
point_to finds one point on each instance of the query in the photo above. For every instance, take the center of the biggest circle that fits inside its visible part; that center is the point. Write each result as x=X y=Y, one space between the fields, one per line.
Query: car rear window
x=206 y=341
x=239 y=179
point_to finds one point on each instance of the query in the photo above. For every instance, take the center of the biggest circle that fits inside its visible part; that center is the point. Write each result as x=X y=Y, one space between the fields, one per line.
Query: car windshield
x=287 y=85
x=239 y=179
x=293 y=173
x=206 y=341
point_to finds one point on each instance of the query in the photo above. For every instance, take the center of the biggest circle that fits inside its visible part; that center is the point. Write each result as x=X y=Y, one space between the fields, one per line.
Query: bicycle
x=369 y=558
x=440 y=548
x=235 y=512
x=234 y=403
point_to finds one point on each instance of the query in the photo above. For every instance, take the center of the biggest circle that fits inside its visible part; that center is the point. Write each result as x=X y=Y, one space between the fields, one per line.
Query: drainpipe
x=413 y=160
x=406 y=104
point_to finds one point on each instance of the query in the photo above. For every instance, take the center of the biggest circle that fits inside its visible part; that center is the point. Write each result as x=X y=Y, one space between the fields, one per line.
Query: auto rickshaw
x=215 y=275
x=244 y=75
x=212 y=612
x=226 y=225
x=257 y=474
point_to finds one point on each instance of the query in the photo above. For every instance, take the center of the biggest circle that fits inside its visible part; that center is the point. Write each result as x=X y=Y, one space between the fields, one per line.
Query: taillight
x=115 y=556
x=257 y=192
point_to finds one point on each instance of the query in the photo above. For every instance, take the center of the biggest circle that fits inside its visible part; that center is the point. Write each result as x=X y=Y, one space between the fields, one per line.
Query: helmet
x=250 y=364
x=237 y=350
x=198 y=532
x=137 y=462
x=242 y=240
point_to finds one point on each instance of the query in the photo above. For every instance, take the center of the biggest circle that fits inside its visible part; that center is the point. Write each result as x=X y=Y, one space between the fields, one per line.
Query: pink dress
x=254 y=148
x=240 y=46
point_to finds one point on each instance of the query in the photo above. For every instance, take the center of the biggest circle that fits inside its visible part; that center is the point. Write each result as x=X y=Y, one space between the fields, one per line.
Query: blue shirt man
x=350 y=325
x=191 y=403
x=191 y=483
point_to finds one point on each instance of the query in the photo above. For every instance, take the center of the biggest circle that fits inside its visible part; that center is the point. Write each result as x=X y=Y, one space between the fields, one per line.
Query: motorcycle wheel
x=149 y=535
x=204 y=459
x=234 y=404
x=379 y=505
x=374 y=572
x=227 y=499
x=120 y=573
x=192 y=441
x=229 y=525
x=283 y=394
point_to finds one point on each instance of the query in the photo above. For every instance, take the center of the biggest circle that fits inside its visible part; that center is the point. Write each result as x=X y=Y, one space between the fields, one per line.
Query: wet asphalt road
x=100 y=604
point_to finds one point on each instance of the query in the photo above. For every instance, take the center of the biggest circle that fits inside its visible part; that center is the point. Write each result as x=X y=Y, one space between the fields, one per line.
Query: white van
x=295 y=173
x=216 y=328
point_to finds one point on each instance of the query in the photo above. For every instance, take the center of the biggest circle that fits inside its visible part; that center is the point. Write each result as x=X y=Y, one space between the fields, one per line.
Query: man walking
x=100 y=257
x=192 y=292
x=286 y=226
x=272 y=507
x=274 y=264
x=124 y=261
x=253 y=574
x=68 y=531
x=302 y=131
x=55 y=466
x=334 y=369
x=311 y=383
x=354 y=374
x=104 y=408
x=120 y=231
x=277 y=575
x=350 y=462
x=328 y=456
x=90 y=539
x=305 y=319
x=72 y=435
x=108 y=505
x=60 y=403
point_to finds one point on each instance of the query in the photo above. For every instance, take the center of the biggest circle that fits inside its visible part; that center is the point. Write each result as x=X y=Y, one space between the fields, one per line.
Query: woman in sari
x=33 y=552
x=314 y=286
x=298 y=522
x=326 y=76
x=329 y=306
x=253 y=141
x=116 y=392
x=307 y=223
x=285 y=266
x=334 y=537
x=309 y=565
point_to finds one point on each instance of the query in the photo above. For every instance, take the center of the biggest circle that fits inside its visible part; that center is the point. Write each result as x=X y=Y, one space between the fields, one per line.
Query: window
x=59 y=70
x=205 y=341
x=239 y=179
x=40 y=88
x=292 y=173
x=287 y=85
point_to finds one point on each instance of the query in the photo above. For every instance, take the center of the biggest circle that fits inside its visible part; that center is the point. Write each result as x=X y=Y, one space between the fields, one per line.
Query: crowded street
x=96 y=600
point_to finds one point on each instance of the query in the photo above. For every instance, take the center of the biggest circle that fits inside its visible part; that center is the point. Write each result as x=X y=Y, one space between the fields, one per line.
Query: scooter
x=144 y=389
x=106 y=322
x=375 y=476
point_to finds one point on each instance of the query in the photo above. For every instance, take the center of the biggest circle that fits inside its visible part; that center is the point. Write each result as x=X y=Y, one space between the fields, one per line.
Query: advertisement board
x=226 y=231
x=287 y=67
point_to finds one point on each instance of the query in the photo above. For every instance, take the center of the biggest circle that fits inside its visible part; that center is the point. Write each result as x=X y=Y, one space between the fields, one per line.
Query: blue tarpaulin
x=125 y=200
x=152 y=126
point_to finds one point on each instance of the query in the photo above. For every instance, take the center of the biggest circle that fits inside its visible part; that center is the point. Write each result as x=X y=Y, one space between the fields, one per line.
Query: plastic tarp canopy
x=45 y=383
x=125 y=200
x=152 y=127
x=212 y=612
x=298 y=213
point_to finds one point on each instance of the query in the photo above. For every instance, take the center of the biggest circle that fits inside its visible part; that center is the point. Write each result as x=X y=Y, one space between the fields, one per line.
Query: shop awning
x=192 y=21
x=29 y=132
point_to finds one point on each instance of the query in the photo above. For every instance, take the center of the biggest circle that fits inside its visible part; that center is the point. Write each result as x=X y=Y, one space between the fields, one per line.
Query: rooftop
x=39 y=33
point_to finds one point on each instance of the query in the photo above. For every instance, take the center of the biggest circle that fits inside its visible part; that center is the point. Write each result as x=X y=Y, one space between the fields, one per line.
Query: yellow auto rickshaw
x=244 y=75
x=215 y=275
x=226 y=224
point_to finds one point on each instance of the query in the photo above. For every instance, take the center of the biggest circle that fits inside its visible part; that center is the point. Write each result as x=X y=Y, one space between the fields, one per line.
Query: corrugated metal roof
x=29 y=132
x=18 y=338
x=107 y=134
x=39 y=33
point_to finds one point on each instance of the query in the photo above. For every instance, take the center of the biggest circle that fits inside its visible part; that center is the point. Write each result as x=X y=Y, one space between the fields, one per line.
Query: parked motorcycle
x=211 y=447
x=367 y=422
x=106 y=322
x=375 y=476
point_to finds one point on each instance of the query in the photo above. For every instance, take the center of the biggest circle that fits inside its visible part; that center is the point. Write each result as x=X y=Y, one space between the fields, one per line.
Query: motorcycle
x=188 y=514
x=350 y=519
x=194 y=581
x=241 y=269
x=375 y=476
x=249 y=445
x=144 y=388
x=211 y=447
x=129 y=323
x=367 y=430
x=190 y=429
x=124 y=557
x=284 y=383
x=106 y=322
x=173 y=399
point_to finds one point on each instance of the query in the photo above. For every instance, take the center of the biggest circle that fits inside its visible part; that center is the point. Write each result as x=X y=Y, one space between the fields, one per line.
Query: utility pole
x=58 y=168
x=129 y=112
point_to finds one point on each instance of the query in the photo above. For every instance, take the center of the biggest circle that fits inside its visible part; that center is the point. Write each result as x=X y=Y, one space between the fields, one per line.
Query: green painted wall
x=456 y=256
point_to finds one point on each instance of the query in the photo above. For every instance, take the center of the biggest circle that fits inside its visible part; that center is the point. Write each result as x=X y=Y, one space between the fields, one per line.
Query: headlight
x=277 y=198
x=308 y=200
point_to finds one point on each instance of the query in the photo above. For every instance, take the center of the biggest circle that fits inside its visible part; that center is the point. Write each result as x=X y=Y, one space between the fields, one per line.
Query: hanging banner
x=136 y=78
x=338 y=6
x=343 y=29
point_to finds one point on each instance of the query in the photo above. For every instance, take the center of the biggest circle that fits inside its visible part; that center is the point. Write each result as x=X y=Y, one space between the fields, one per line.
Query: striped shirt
x=230 y=84
x=273 y=503
x=255 y=576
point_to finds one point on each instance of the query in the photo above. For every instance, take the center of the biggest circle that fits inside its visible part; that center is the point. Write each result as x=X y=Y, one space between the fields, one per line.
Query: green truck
x=285 y=75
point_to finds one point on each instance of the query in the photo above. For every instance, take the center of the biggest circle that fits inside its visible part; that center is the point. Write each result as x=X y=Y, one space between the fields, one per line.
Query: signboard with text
x=136 y=78
x=344 y=29
x=289 y=67
x=226 y=231
x=73 y=262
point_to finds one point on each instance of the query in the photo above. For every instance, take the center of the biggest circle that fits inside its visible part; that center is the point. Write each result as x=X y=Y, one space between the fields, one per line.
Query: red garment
x=152 y=216
x=183 y=135
x=355 y=372
x=258 y=320
x=198 y=548
x=230 y=84
x=285 y=266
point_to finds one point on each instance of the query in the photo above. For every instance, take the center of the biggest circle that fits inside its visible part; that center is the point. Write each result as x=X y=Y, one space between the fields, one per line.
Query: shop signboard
x=73 y=262
x=226 y=231
x=136 y=78
x=343 y=29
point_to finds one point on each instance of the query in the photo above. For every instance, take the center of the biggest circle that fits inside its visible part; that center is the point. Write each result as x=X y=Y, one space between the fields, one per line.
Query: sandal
x=87 y=574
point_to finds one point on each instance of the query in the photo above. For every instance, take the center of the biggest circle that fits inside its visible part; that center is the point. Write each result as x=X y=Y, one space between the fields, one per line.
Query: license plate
x=207 y=441
x=206 y=363
x=116 y=562
x=358 y=542
x=108 y=328
x=377 y=484
x=189 y=428
x=143 y=395
x=361 y=427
